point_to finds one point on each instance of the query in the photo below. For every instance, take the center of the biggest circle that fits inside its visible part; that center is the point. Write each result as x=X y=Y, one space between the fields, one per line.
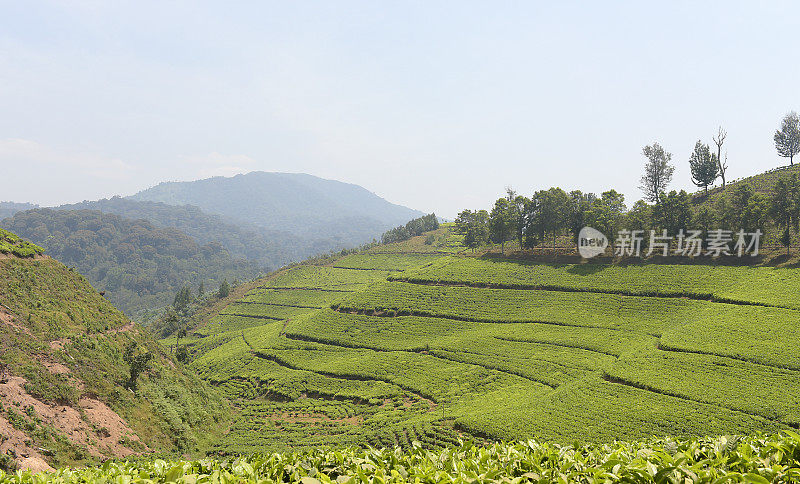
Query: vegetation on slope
x=138 y=266
x=725 y=459
x=66 y=387
x=761 y=183
x=414 y=341
x=14 y=245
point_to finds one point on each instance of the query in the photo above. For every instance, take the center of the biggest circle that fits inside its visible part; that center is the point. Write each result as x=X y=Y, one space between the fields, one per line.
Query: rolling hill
x=304 y=205
x=420 y=341
x=66 y=393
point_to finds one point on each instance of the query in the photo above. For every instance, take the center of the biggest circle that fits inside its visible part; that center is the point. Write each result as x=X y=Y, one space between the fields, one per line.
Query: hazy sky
x=433 y=105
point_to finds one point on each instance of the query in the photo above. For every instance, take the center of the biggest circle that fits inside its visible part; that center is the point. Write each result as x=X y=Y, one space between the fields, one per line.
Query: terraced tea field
x=421 y=341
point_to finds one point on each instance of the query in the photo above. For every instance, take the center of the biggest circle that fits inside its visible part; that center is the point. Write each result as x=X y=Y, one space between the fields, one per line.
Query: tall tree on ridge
x=787 y=139
x=703 y=165
x=657 y=172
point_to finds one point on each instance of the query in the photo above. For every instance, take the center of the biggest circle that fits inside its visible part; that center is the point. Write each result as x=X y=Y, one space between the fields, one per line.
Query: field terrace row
x=376 y=347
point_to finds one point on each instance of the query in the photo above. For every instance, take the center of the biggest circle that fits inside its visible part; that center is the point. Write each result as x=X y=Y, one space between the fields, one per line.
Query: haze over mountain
x=301 y=204
x=8 y=209
x=268 y=248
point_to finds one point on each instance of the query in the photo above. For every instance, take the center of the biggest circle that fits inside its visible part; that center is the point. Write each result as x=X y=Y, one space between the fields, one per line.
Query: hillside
x=420 y=341
x=139 y=267
x=761 y=183
x=268 y=248
x=303 y=205
x=12 y=244
x=65 y=391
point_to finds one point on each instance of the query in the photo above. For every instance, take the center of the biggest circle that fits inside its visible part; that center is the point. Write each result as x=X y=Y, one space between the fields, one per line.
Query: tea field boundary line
x=622 y=381
x=341 y=376
x=662 y=347
x=411 y=253
x=425 y=314
x=278 y=304
x=382 y=269
x=555 y=288
x=273 y=318
x=285 y=364
x=301 y=288
x=562 y=345
x=419 y=351
x=563 y=365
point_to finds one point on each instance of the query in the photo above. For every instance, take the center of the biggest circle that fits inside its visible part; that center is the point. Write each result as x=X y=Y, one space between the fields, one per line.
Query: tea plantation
x=423 y=341
x=718 y=460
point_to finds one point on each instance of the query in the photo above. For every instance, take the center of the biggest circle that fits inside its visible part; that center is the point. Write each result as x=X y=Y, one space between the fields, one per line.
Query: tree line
x=412 y=228
x=553 y=213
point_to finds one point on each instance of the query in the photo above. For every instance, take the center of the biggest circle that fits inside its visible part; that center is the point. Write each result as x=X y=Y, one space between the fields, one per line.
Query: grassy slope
x=12 y=244
x=67 y=341
x=408 y=341
x=761 y=183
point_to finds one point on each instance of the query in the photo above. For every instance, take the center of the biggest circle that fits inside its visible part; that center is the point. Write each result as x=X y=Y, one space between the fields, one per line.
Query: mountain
x=66 y=392
x=301 y=204
x=8 y=209
x=269 y=248
x=140 y=267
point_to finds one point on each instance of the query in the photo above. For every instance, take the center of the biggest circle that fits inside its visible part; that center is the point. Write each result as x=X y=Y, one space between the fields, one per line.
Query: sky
x=436 y=105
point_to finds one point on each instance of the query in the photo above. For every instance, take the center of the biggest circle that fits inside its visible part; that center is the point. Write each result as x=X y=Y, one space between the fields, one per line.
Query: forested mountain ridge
x=80 y=383
x=297 y=203
x=139 y=266
x=269 y=248
x=8 y=209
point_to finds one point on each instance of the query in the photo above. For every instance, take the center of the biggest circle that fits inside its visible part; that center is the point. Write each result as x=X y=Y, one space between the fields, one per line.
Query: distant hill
x=139 y=266
x=8 y=209
x=65 y=392
x=269 y=248
x=301 y=204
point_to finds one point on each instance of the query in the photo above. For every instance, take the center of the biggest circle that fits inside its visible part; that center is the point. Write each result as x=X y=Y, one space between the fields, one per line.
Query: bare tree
x=657 y=172
x=719 y=139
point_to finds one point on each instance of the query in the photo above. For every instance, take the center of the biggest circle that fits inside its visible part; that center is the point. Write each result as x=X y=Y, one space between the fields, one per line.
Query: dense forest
x=139 y=266
x=268 y=248
x=8 y=209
